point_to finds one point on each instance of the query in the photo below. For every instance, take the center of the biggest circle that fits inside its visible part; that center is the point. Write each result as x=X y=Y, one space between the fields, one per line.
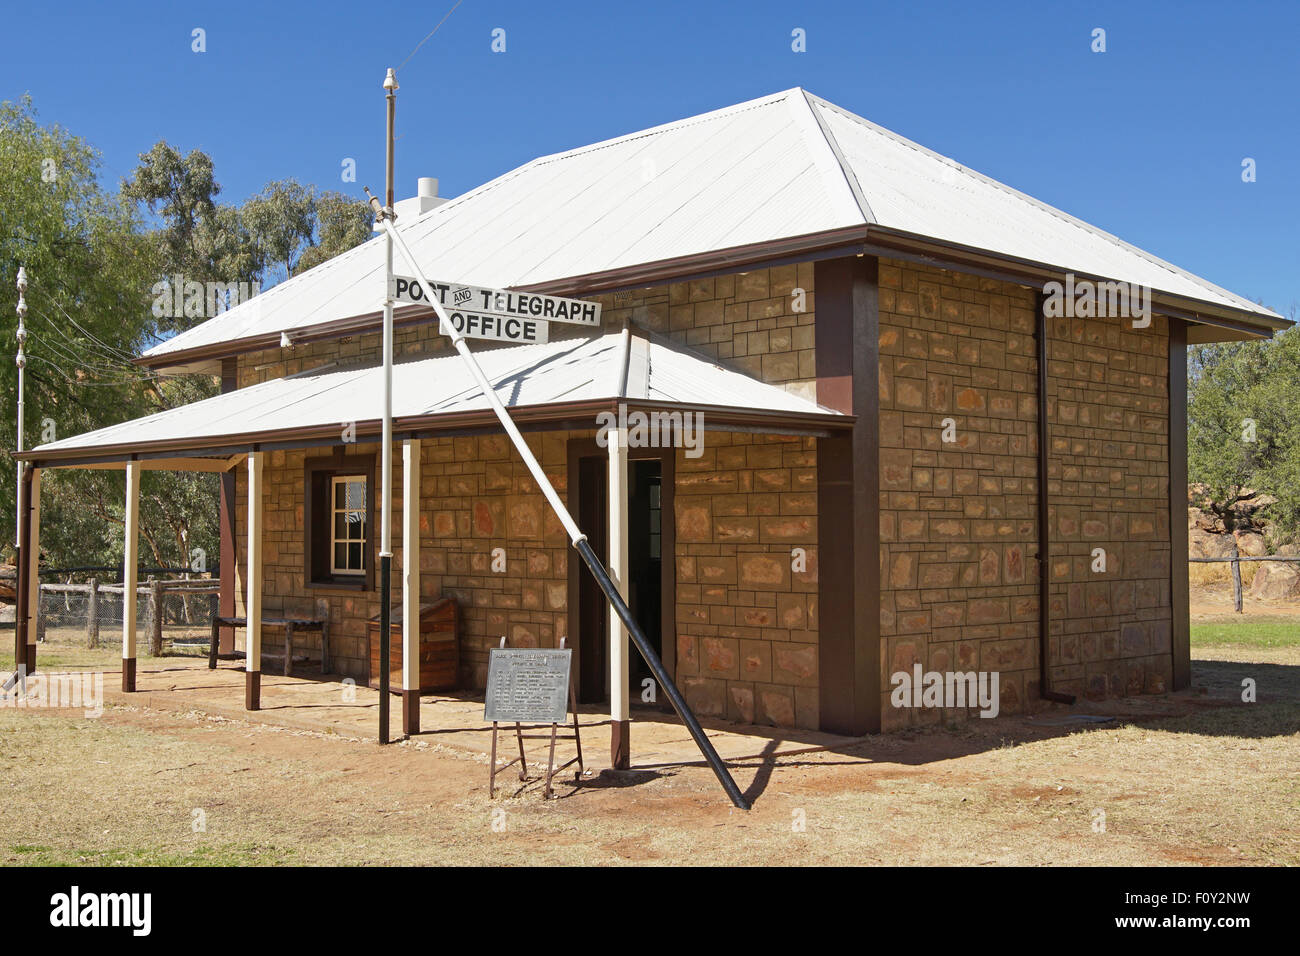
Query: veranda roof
x=779 y=175
x=566 y=381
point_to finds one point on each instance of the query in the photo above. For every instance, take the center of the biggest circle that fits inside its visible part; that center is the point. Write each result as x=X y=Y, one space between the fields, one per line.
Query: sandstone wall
x=747 y=614
x=747 y=321
x=747 y=623
x=958 y=521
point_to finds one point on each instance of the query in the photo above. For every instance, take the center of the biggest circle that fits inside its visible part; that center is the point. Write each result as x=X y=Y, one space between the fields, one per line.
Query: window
x=338 y=515
x=348 y=534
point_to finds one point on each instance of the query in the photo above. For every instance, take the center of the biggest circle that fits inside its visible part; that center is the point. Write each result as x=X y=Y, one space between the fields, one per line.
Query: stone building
x=943 y=425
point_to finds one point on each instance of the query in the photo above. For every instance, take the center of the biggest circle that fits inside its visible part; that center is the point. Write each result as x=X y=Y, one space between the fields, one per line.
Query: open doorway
x=645 y=562
x=651 y=589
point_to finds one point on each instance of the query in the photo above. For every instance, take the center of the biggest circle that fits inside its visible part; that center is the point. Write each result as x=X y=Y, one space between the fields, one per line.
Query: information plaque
x=529 y=685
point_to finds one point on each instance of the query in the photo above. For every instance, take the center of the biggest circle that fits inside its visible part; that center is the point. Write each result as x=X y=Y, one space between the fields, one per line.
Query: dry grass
x=1218 y=576
x=1213 y=784
x=68 y=650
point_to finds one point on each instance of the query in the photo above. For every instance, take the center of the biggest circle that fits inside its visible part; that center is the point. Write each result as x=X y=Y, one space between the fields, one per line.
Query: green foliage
x=281 y=220
x=93 y=262
x=341 y=224
x=1243 y=430
x=180 y=189
x=90 y=266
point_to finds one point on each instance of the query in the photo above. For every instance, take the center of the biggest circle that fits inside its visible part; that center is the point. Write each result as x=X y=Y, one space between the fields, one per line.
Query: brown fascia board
x=569 y=415
x=954 y=256
x=849 y=240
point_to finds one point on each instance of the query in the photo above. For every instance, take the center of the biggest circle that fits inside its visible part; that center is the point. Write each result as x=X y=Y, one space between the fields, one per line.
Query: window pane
x=357 y=493
x=340 y=556
x=340 y=494
x=354 y=557
x=340 y=525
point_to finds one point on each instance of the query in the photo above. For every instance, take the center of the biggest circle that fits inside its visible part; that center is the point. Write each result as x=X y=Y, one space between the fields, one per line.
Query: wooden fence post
x=92 y=613
x=1236 y=575
x=156 y=604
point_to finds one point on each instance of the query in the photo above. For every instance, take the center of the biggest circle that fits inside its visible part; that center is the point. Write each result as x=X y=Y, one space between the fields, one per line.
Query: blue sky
x=1145 y=140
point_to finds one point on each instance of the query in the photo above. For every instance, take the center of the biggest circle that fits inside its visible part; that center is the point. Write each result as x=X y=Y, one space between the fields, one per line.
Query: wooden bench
x=290 y=624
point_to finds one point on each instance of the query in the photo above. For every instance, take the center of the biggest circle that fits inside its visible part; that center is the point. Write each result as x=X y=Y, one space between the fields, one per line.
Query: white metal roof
x=565 y=371
x=778 y=167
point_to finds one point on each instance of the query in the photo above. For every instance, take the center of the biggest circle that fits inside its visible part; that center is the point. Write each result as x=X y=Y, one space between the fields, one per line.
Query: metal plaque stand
x=520 y=736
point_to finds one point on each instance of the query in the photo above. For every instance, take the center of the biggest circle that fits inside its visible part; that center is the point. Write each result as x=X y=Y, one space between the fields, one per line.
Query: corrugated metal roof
x=913 y=189
x=564 y=371
x=774 y=168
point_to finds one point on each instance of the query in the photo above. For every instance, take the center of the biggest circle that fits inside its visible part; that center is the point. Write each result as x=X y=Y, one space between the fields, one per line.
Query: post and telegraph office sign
x=498 y=314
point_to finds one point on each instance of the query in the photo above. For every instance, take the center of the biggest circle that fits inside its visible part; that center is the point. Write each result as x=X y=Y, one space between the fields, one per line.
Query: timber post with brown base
x=130 y=574
x=253 y=583
x=23 y=590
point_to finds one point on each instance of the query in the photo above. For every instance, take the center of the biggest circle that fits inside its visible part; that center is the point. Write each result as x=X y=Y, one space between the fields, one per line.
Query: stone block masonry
x=958 y=522
x=1108 y=482
x=476 y=496
x=758 y=322
x=747 y=609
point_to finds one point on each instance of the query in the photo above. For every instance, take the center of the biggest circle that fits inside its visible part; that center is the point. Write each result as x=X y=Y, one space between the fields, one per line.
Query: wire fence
x=169 y=613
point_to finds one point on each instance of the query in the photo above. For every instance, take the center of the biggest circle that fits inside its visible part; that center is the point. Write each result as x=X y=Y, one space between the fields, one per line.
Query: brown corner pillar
x=848 y=496
x=1180 y=622
x=226 y=557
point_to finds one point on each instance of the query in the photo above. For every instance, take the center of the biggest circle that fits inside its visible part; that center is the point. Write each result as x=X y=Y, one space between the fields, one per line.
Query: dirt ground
x=1192 y=778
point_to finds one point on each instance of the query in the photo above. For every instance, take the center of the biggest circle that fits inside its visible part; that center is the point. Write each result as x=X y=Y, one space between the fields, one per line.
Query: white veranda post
x=253 y=588
x=130 y=573
x=618 y=645
x=411 y=587
x=33 y=571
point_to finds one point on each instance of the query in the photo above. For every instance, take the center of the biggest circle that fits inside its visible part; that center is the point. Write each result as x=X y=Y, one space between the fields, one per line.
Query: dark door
x=645 y=563
x=593 y=640
x=645 y=587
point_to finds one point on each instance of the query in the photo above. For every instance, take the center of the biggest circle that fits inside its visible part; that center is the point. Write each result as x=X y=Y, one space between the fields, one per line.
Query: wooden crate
x=439 y=647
